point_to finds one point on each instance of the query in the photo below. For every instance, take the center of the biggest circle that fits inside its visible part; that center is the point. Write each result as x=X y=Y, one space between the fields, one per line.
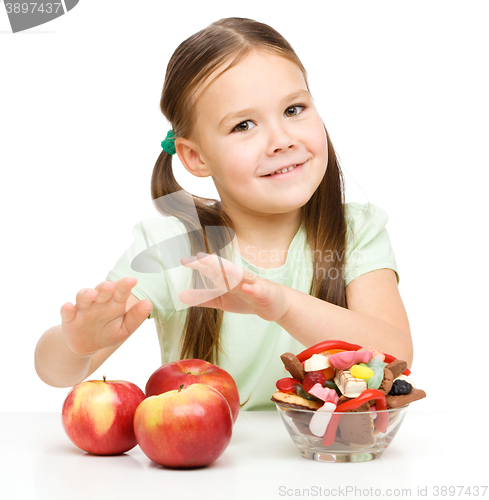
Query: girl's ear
x=189 y=154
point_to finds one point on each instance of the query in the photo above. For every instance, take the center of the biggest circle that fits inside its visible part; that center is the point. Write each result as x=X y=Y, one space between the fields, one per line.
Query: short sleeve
x=368 y=245
x=159 y=280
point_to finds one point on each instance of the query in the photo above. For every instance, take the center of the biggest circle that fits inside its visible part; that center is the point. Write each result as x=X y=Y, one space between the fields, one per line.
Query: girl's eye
x=248 y=124
x=244 y=126
x=293 y=110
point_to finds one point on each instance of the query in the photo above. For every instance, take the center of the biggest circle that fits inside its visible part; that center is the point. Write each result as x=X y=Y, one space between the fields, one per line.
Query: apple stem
x=104 y=378
x=180 y=388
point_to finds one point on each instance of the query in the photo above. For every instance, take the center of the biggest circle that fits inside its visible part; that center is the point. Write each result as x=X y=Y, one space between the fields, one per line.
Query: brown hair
x=193 y=61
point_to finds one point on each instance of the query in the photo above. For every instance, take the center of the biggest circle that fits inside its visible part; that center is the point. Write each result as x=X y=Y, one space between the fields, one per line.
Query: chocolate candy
x=387 y=381
x=358 y=429
x=405 y=399
x=397 y=367
x=348 y=384
x=293 y=366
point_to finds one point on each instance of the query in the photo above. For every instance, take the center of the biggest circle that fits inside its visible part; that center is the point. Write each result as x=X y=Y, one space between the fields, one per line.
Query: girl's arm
x=375 y=316
x=58 y=366
x=91 y=330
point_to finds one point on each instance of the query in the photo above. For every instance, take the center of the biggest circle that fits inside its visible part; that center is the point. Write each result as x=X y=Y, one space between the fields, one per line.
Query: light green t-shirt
x=252 y=346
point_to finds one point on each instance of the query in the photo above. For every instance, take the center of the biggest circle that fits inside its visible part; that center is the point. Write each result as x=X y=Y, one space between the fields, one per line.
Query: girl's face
x=257 y=118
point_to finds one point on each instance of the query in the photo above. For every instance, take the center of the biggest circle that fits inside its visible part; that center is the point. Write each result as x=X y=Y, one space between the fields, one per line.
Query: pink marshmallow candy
x=324 y=393
x=346 y=359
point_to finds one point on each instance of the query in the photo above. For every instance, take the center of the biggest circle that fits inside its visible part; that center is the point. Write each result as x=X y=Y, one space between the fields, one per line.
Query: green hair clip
x=168 y=144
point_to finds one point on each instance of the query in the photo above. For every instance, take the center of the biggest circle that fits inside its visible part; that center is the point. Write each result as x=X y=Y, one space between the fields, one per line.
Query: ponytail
x=202 y=327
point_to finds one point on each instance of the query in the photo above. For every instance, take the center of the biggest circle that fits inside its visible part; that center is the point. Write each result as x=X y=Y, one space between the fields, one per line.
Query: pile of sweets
x=333 y=377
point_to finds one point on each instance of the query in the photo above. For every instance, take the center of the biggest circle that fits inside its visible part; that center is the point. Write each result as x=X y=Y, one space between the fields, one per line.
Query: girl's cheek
x=244 y=158
x=318 y=139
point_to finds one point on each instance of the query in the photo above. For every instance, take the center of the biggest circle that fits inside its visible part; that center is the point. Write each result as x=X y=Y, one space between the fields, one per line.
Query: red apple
x=171 y=376
x=98 y=416
x=189 y=427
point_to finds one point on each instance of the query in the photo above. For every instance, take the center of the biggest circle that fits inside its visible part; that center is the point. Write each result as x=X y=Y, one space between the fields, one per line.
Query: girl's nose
x=280 y=139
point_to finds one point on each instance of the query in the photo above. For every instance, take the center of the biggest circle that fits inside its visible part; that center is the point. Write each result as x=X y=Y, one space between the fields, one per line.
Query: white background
x=402 y=89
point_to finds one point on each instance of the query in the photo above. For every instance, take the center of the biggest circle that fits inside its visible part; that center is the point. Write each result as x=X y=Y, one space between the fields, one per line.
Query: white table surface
x=38 y=461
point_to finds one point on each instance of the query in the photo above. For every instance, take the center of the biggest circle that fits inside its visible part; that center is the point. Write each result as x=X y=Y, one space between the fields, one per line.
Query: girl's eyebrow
x=298 y=94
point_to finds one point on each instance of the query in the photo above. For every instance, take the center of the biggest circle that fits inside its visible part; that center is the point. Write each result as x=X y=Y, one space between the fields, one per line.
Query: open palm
x=237 y=290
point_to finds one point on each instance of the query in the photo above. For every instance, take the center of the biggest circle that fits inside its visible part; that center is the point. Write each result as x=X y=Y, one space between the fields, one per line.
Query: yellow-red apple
x=188 y=427
x=171 y=376
x=98 y=416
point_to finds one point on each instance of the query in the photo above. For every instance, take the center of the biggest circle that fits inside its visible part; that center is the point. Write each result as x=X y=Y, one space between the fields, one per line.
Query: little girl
x=304 y=266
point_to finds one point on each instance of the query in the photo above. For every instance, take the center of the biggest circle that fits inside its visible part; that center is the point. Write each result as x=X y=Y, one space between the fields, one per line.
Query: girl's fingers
x=232 y=270
x=123 y=289
x=205 y=262
x=105 y=291
x=85 y=298
x=219 y=270
x=67 y=311
x=251 y=289
x=258 y=291
x=135 y=316
x=199 y=263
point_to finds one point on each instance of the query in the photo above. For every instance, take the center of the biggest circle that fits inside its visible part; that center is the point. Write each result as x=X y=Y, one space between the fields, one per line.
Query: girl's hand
x=238 y=290
x=99 y=318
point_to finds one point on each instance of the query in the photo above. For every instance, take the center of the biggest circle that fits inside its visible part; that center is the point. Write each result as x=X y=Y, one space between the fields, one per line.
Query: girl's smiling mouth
x=286 y=173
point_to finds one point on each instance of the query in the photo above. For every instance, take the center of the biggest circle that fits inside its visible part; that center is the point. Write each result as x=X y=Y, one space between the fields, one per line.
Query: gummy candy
x=377 y=365
x=375 y=352
x=332 y=385
x=324 y=393
x=303 y=394
x=312 y=378
x=344 y=360
x=400 y=387
x=320 y=420
x=287 y=384
x=367 y=395
x=361 y=371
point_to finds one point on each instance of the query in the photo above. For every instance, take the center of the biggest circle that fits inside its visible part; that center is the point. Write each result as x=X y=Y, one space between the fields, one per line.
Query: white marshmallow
x=317 y=362
x=407 y=379
x=320 y=420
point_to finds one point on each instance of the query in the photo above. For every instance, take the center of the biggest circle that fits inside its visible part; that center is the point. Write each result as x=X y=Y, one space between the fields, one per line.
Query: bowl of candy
x=344 y=402
x=348 y=436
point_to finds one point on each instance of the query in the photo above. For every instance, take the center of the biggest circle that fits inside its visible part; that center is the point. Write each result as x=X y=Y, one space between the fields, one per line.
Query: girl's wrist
x=286 y=298
x=73 y=354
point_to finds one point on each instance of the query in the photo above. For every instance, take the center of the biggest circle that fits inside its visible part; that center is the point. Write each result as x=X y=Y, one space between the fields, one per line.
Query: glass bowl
x=357 y=437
